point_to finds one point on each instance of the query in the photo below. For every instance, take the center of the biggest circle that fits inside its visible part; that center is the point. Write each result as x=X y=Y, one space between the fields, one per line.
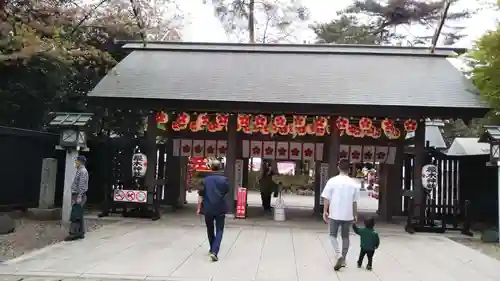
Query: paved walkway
x=159 y=251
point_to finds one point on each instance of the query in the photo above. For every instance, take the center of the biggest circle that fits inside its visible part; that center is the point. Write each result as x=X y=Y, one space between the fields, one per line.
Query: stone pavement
x=147 y=250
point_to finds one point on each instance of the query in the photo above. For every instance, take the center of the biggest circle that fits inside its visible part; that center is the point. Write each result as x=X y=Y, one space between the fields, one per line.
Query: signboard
x=130 y=196
x=241 y=203
x=323 y=178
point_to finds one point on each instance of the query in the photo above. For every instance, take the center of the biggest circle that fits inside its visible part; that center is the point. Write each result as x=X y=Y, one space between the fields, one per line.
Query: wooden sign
x=323 y=178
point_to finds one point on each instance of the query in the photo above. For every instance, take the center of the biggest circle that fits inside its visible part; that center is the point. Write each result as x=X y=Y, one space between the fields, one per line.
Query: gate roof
x=317 y=78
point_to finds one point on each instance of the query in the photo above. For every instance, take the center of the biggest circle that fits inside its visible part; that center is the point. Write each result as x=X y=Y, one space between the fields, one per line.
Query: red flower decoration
x=343 y=154
x=295 y=152
x=308 y=152
x=183 y=119
x=244 y=120
x=186 y=148
x=222 y=149
x=222 y=119
x=280 y=121
x=198 y=149
x=256 y=150
x=299 y=120
x=269 y=150
x=210 y=149
x=342 y=123
x=281 y=151
x=260 y=121
x=161 y=117
x=356 y=154
x=380 y=155
x=410 y=125
x=365 y=123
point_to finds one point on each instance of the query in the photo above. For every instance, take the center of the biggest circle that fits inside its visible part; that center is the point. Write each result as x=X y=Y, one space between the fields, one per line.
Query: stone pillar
x=48 y=183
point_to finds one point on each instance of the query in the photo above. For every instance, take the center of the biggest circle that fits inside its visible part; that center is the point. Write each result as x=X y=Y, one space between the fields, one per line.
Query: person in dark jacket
x=267 y=185
x=369 y=241
x=212 y=203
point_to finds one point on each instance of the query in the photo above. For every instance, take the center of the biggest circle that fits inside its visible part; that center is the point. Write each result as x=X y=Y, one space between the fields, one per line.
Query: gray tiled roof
x=293 y=74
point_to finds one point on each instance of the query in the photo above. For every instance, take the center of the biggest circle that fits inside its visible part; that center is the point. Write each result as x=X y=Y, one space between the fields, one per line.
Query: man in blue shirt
x=212 y=203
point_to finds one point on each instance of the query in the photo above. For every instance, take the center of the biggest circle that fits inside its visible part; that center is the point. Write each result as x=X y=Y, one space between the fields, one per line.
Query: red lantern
x=321 y=122
x=387 y=125
x=283 y=130
x=410 y=125
x=280 y=121
x=212 y=127
x=175 y=126
x=244 y=120
x=183 y=119
x=377 y=133
x=365 y=123
x=299 y=120
x=265 y=130
x=161 y=117
x=320 y=132
x=370 y=131
x=301 y=131
x=193 y=126
x=260 y=121
x=342 y=123
x=222 y=119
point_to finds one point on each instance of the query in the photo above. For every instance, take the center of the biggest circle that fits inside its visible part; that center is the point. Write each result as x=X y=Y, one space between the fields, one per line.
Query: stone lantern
x=73 y=140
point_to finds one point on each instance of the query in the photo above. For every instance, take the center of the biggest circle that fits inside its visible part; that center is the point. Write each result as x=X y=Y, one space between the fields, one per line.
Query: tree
x=264 y=21
x=405 y=13
x=485 y=62
x=54 y=52
x=345 y=30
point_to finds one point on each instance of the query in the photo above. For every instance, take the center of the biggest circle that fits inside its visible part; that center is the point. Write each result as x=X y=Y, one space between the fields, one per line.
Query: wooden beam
x=231 y=161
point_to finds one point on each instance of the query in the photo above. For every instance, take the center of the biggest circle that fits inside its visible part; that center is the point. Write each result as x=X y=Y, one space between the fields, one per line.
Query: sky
x=202 y=26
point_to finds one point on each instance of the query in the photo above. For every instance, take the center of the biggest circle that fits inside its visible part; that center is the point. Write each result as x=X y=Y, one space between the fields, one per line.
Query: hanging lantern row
x=298 y=125
x=366 y=127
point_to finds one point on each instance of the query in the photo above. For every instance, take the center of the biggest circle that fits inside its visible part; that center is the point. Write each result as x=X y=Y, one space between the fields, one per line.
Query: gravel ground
x=490 y=249
x=31 y=235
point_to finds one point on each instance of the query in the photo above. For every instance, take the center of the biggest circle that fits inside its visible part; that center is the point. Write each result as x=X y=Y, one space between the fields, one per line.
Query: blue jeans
x=215 y=235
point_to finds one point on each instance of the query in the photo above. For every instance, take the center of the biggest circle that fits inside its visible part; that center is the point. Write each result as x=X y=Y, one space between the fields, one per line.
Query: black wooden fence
x=460 y=178
x=22 y=152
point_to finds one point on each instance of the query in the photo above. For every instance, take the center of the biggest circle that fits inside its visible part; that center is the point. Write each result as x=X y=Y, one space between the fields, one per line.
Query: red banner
x=241 y=203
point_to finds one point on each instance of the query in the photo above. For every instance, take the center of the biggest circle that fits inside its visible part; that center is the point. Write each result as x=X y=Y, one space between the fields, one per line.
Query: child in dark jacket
x=369 y=241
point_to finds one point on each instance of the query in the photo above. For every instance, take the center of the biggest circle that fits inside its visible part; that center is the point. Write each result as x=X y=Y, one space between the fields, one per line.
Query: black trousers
x=266 y=200
x=368 y=253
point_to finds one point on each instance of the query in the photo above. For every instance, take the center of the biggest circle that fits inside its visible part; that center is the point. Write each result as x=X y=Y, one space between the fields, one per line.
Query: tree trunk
x=251 y=22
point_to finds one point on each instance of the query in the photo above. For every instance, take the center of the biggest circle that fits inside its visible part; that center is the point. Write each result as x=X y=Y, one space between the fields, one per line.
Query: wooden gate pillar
x=331 y=149
x=151 y=154
x=231 y=161
x=418 y=163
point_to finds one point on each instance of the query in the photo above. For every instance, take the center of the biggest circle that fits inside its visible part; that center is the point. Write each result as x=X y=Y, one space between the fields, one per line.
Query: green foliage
x=345 y=30
x=485 y=59
x=53 y=52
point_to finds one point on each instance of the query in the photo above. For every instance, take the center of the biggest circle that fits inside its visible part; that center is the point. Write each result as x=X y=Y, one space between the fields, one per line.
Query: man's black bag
x=76 y=213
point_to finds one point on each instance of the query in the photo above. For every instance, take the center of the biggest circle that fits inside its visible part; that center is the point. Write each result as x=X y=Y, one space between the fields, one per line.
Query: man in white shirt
x=341 y=195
